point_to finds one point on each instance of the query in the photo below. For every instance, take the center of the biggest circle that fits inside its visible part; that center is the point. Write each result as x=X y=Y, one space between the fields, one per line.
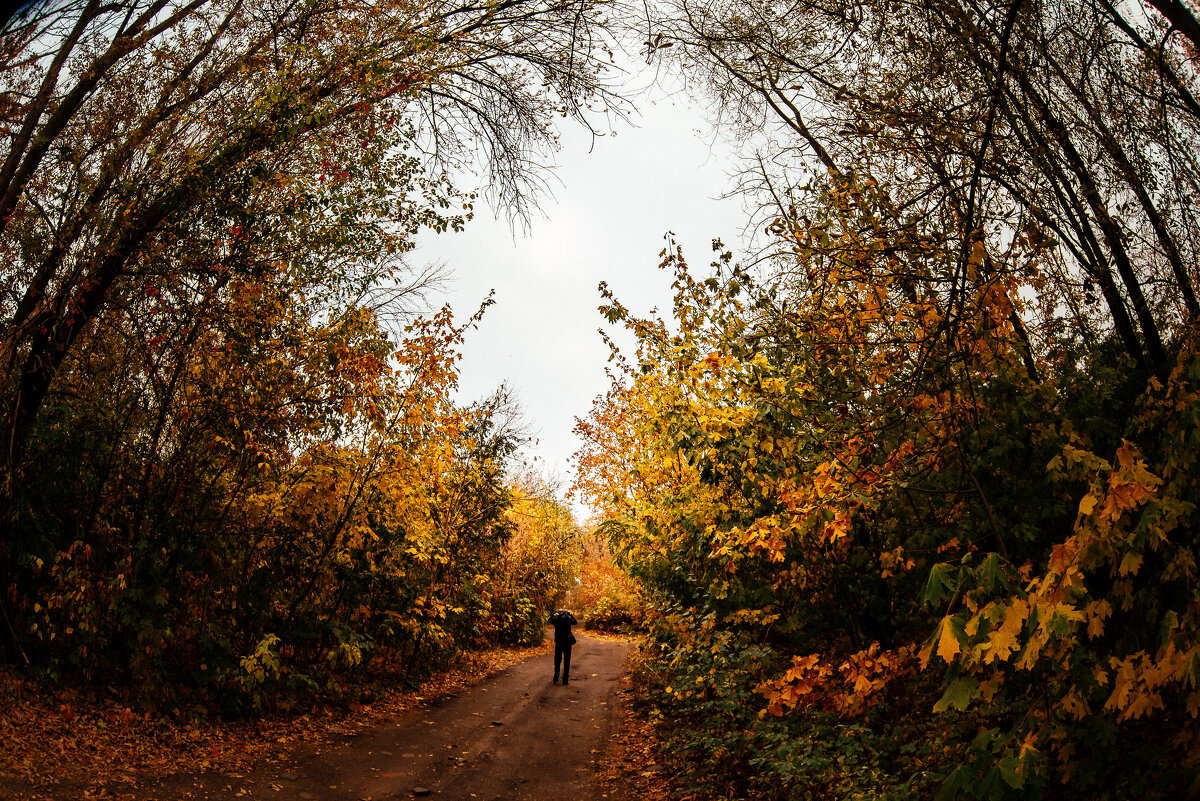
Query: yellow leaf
x=1143 y=703
x=1001 y=644
x=947 y=642
x=1096 y=613
x=1075 y=705
x=1130 y=563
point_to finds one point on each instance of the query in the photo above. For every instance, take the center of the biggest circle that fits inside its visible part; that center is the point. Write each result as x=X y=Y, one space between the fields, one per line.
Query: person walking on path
x=562 y=620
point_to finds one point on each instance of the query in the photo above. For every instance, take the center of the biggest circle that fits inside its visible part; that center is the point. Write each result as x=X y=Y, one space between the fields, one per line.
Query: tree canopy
x=233 y=458
x=913 y=489
x=910 y=492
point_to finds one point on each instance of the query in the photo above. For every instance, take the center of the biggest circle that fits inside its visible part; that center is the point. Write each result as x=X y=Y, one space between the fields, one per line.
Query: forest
x=906 y=491
x=913 y=491
x=235 y=471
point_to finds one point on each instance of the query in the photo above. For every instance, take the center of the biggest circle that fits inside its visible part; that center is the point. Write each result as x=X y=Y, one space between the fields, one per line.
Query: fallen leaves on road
x=72 y=744
x=630 y=766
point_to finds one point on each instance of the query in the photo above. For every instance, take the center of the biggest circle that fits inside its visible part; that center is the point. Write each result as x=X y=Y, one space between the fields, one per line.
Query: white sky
x=605 y=222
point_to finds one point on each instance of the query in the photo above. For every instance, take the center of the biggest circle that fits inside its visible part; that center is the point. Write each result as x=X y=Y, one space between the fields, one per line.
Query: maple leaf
x=948 y=643
x=1002 y=643
x=945 y=639
x=1087 y=503
x=1076 y=706
x=1096 y=613
x=1142 y=703
x=958 y=694
x=1130 y=563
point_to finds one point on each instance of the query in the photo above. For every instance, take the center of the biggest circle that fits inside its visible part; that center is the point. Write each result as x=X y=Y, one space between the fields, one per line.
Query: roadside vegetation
x=236 y=474
x=911 y=491
x=904 y=497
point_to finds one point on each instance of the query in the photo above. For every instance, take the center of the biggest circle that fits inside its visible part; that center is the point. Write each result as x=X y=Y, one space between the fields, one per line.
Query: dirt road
x=514 y=736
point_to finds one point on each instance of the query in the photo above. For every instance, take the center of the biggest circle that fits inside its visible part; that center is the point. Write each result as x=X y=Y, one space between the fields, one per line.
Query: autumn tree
x=538 y=565
x=133 y=124
x=827 y=549
x=888 y=486
x=1067 y=127
x=234 y=463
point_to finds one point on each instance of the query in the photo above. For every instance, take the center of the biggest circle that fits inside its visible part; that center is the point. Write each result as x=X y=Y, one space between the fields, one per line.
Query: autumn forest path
x=514 y=736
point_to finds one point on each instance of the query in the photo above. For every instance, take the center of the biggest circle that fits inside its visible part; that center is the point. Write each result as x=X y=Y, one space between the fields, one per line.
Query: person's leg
x=566 y=663
x=558 y=655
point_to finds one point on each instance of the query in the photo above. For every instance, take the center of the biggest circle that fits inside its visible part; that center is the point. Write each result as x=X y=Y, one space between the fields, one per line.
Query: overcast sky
x=605 y=222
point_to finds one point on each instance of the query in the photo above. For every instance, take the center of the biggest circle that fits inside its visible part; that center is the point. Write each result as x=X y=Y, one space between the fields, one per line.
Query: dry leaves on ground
x=97 y=746
x=633 y=767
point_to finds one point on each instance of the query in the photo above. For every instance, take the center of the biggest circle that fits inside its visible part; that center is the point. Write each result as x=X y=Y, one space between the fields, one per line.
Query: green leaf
x=958 y=695
x=992 y=573
x=941 y=583
x=1010 y=771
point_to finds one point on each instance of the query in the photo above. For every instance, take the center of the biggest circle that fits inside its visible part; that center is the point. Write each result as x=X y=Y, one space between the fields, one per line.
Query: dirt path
x=514 y=736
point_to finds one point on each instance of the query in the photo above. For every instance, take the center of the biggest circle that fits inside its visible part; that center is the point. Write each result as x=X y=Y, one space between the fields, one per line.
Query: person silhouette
x=562 y=620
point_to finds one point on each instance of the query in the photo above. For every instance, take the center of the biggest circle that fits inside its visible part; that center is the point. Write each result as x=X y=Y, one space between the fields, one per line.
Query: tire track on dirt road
x=512 y=737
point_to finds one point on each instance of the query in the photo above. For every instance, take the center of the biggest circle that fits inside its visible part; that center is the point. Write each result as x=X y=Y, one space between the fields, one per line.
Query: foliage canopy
x=233 y=461
x=914 y=492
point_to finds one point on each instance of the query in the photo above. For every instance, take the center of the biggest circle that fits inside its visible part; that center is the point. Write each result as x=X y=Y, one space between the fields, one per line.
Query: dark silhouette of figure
x=562 y=620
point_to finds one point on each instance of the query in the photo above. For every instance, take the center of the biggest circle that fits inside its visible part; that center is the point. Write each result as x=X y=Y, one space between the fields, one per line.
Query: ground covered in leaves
x=90 y=739
x=633 y=766
x=92 y=743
